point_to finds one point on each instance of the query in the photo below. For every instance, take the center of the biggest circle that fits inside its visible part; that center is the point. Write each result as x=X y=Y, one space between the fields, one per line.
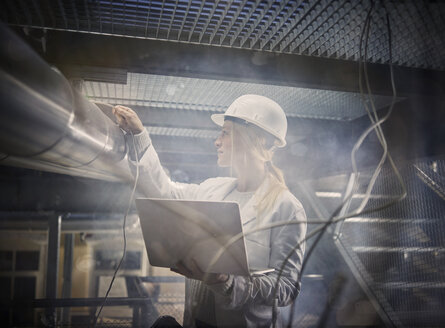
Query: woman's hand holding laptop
x=193 y=271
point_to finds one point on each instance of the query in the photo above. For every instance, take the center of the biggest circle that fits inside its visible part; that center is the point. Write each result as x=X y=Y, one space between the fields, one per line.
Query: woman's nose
x=217 y=142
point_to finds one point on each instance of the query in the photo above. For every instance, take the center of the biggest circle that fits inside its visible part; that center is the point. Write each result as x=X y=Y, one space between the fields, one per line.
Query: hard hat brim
x=218 y=119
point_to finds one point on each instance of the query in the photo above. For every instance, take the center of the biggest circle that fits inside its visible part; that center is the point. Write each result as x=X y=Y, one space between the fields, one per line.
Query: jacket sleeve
x=239 y=291
x=153 y=181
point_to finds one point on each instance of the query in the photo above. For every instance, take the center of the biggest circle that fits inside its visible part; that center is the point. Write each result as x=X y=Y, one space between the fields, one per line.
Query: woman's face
x=223 y=145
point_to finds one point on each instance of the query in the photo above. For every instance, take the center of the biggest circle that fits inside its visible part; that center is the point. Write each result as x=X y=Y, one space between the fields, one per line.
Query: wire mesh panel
x=215 y=95
x=172 y=305
x=399 y=252
x=110 y=323
x=309 y=27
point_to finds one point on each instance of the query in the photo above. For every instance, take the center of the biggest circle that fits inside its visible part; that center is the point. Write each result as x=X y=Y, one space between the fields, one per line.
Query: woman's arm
x=238 y=291
x=152 y=180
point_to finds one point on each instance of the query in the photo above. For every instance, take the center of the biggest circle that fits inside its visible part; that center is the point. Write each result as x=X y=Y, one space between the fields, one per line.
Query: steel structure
x=324 y=28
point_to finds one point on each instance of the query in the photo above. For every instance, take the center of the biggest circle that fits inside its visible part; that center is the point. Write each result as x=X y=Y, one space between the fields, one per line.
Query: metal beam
x=200 y=119
x=374 y=295
x=191 y=60
x=102 y=74
x=52 y=265
x=67 y=272
x=71 y=302
x=178 y=118
x=71 y=222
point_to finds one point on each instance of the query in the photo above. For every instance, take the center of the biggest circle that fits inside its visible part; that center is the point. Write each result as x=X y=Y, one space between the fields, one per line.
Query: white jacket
x=242 y=300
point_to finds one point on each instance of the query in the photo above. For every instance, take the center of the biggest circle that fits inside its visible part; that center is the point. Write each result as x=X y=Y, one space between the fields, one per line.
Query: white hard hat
x=260 y=111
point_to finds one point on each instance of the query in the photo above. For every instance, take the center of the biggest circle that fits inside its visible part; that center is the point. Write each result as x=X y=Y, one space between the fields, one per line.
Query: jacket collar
x=249 y=212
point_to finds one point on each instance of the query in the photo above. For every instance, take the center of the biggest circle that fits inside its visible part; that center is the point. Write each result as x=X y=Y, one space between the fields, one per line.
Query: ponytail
x=276 y=186
x=252 y=139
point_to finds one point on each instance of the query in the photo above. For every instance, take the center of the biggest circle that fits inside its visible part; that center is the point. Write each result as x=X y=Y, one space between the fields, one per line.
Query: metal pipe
x=47 y=125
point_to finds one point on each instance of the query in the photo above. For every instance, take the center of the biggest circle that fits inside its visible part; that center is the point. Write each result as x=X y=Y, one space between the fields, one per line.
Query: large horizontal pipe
x=47 y=125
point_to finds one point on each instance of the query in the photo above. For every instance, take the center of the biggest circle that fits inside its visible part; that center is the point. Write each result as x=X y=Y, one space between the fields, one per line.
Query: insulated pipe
x=47 y=125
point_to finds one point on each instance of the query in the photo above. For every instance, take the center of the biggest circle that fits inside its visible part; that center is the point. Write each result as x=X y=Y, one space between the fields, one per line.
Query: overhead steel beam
x=192 y=60
x=195 y=119
x=71 y=302
x=70 y=223
x=52 y=265
x=67 y=272
x=101 y=74
x=175 y=117
x=183 y=145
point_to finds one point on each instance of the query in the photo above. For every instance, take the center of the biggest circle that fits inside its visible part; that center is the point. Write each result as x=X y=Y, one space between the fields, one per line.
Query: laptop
x=204 y=231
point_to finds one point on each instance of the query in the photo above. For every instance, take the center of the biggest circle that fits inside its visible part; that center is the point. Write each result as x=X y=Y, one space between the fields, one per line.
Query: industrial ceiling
x=324 y=28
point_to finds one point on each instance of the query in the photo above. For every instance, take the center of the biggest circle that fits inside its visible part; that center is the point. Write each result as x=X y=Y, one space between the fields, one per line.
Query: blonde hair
x=259 y=145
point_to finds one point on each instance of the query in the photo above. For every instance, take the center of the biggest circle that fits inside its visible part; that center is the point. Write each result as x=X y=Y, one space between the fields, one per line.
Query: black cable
x=123 y=232
x=338 y=209
x=376 y=126
x=337 y=286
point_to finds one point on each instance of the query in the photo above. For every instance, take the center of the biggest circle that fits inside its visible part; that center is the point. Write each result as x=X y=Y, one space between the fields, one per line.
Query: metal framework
x=138 y=299
x=215 y=96
x=396 y=255
x=322 y=28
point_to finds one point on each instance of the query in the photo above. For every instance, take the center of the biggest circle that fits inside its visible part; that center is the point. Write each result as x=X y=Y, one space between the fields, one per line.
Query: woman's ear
x=264 y=142
x=270 y=142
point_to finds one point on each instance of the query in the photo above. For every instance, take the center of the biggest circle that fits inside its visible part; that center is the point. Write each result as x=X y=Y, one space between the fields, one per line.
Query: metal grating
x=215 y=96
x=308 y=27
x=182 y=132
x=398 y=252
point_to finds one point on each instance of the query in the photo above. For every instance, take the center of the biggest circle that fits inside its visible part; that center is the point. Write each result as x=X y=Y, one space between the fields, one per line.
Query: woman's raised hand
x=127 y=119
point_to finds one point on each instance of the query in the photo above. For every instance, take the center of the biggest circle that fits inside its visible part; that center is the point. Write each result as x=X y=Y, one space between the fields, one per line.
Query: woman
x=252 y=127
